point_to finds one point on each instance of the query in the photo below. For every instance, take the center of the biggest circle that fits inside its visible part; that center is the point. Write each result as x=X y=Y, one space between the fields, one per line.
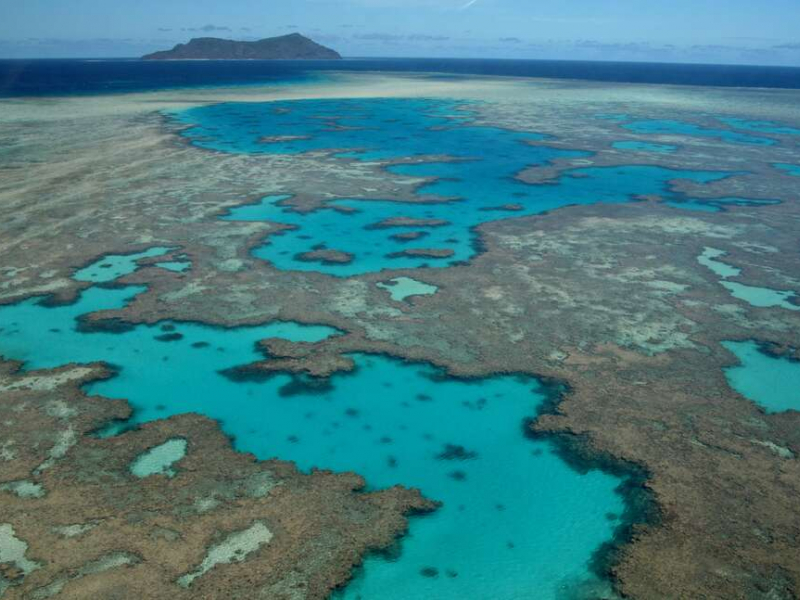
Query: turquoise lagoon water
x=517 y=522
x=791 y=169
x=401 y=288
x=672 y=127
x=114 y=266
x=709 y=260
x=375 y=248
x=773 y=383
x=762 y=297
x=634 y=146
x=176 y=266
x=759 y=126
x=388 y=129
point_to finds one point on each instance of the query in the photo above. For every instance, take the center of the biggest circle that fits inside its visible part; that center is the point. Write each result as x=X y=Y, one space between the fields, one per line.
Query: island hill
x=285 y=47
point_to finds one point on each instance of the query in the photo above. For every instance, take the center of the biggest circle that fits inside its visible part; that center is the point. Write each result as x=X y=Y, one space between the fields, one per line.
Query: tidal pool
x=177 y=266
x=772 y=382
x=114 y=266
x=516 y=522
x=709 y=260
x=481 y=180
x=759 y=297
x=401 y=288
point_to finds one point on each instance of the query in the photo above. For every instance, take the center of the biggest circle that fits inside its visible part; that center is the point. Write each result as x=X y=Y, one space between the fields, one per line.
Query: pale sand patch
x=781 y=451
x=74 y=530
x=12 y=551
x=159 y=459
x=47 y=383
x=235 y=548
x=24 y=489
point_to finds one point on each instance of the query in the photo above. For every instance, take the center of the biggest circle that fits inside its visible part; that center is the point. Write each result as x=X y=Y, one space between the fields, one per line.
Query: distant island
x=292 y=46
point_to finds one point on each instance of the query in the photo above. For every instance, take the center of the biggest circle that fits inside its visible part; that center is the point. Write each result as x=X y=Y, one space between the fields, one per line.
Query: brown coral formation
x=409 y=236
x=326 y=257
x=423 y=253
x=505 y=207
x=408 y=222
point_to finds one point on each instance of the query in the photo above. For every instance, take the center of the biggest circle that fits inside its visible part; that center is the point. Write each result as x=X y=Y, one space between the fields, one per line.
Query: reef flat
x=600 y=291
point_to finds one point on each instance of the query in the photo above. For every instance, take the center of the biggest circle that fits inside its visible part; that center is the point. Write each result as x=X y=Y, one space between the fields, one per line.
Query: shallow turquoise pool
x=773 y=383
x=791 y=169
x=759 y=126
x=114 y=266
x=760 y=297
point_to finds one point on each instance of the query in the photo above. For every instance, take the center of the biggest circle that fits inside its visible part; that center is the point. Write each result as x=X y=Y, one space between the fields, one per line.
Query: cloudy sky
x=719 y=31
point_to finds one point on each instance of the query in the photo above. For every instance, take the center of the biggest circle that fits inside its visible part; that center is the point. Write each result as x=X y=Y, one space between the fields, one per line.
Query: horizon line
x=485 y=58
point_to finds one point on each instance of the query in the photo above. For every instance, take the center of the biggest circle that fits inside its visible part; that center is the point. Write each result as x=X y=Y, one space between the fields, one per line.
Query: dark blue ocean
x=58 y=77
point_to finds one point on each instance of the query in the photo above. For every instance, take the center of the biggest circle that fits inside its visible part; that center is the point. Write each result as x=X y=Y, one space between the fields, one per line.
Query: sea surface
x=70 y=76
x=517 y=521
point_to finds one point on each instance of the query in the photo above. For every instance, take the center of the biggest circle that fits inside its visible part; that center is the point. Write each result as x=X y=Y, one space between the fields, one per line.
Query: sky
x=714 y=31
